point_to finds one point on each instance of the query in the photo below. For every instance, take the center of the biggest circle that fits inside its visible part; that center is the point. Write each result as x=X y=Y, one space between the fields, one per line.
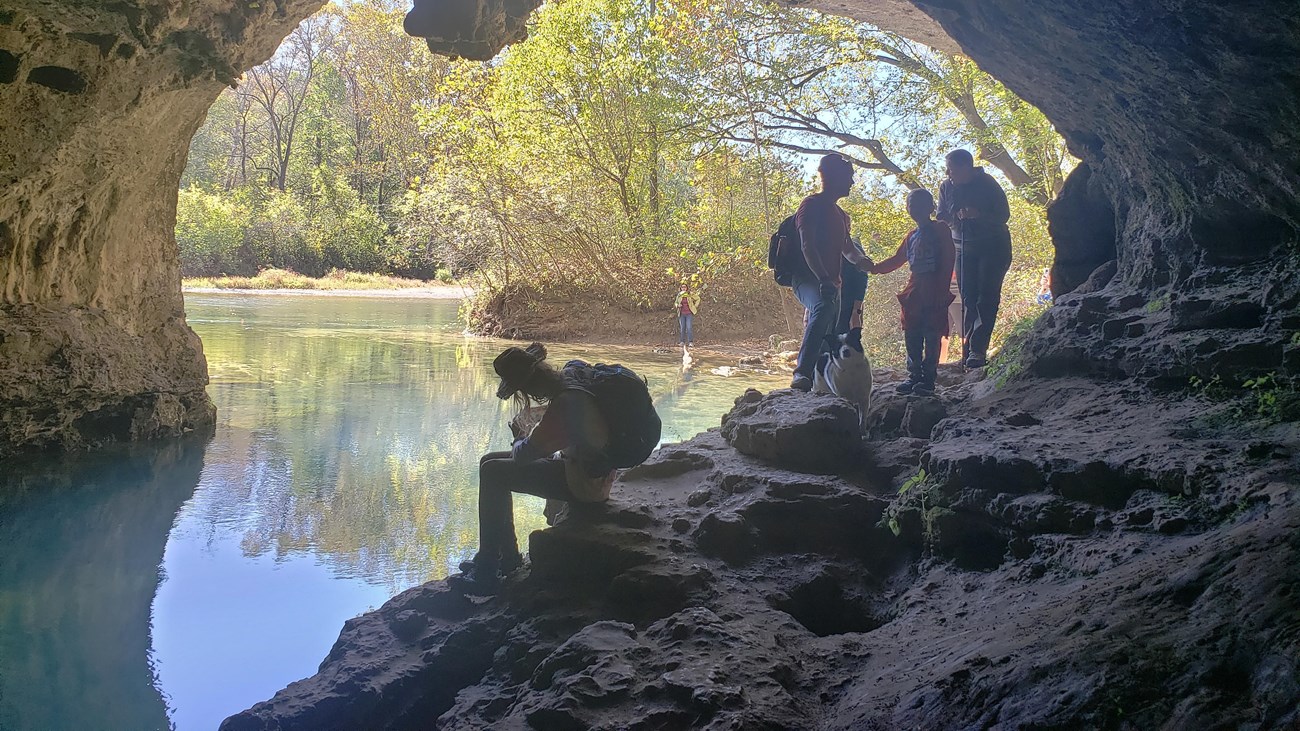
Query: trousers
x=823 y=311
x=922 y=355
x=499 y=477
x=981 y=267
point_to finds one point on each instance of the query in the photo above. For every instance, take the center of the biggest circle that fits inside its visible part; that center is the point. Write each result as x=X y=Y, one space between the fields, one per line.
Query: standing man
x=824 y=237
x=974 y=206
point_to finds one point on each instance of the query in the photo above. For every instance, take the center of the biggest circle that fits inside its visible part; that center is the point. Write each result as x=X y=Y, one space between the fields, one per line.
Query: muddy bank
x=749 y=315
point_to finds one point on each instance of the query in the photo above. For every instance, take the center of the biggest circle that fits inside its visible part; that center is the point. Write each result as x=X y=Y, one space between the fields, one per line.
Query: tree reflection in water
x=342 y=471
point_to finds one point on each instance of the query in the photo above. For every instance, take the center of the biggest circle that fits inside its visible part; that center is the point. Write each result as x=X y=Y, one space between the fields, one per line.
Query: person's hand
x=516 y=431
x=866 y=266
x=969 y=212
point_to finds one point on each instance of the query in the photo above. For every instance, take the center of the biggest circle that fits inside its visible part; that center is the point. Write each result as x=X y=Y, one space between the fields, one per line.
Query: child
x=929 y=252
x=687 y=305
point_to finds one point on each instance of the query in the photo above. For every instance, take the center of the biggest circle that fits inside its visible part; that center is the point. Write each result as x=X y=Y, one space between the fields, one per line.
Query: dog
x=845 y=371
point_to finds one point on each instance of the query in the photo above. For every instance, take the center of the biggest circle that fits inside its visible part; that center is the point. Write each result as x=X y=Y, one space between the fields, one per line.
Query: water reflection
x=341 y=472
x=81 y=540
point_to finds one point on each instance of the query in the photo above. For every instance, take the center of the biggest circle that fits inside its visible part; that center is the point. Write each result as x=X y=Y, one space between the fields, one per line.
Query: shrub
x=208 y=232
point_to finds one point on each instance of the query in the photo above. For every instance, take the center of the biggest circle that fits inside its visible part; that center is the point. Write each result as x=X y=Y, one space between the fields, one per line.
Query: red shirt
x=824 y=233
x=924 y=301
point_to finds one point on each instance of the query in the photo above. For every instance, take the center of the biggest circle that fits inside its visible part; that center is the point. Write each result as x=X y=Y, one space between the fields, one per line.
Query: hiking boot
x=907 y=386
x=923 y=389
x=801 y=383
x=976 y=360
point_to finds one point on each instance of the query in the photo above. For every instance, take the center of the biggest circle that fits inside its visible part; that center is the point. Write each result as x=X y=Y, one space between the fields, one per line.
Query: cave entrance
x=626 y=145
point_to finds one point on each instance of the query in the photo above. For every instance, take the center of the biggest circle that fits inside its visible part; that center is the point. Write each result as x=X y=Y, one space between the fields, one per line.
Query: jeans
x=922 y=355
x=498 y=477
x=686 y=329
x=823 y=310
x=981 y=266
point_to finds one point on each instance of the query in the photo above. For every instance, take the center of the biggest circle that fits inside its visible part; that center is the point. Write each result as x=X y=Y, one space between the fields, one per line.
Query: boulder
x=800 y=431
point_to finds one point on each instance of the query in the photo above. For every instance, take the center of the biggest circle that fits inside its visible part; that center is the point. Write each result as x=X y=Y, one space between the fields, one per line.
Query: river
x=170 y=585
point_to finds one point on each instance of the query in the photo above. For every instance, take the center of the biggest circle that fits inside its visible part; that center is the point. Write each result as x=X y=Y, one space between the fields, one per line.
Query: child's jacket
x=930 y=252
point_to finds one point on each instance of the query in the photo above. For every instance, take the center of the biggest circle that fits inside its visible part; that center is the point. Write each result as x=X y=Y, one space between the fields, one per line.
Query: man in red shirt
x=824 y=237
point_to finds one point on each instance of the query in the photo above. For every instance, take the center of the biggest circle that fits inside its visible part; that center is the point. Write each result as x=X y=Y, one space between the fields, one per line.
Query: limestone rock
x=787 y=596
x=801 y=431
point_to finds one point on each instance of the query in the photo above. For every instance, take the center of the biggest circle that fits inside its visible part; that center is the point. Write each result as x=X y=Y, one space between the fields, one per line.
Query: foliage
x=625 y=146
x=209 y=231
x=1009 y=361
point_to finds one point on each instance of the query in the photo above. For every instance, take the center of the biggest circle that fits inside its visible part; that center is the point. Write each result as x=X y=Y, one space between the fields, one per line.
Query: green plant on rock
x=1158 y=304
x=1214 y=388
x=916 y=493
x=1275 y=398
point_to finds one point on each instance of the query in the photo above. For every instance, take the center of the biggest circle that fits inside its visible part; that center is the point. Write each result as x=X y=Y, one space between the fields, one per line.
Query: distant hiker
x=687 y=305
x=974 y=206
x=598 y=418
x=824 y=239
x=853 y=289
x=928 y=251
x=1044 y=296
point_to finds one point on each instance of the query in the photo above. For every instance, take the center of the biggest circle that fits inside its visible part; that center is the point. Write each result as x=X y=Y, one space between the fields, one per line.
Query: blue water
x=170 y=585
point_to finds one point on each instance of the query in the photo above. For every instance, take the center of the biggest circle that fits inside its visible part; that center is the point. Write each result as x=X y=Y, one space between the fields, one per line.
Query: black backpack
x=624 y=401
x=785 y=253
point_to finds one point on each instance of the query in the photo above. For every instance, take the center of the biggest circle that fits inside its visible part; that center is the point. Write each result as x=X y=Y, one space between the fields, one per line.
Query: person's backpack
x=624 y=401
x=785 y=253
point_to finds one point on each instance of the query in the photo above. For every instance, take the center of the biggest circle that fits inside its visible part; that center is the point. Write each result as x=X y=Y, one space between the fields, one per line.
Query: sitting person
x=928 y=250
x=597 y=419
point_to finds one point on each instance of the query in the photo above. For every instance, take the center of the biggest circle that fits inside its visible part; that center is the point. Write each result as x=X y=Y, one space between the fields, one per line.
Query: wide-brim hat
x=516 y=367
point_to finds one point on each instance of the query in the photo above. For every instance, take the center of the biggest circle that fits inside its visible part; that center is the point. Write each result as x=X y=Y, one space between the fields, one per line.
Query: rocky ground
x=1011 y=553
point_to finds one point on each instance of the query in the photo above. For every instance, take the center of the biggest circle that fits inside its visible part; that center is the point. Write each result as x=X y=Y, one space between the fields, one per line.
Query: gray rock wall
x=98 y=108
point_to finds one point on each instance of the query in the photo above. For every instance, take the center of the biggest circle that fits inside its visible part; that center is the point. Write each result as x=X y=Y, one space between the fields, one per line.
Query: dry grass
x=337 y=279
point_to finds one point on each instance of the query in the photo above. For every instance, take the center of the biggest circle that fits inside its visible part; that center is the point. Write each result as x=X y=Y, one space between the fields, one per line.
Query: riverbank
x=441 y=292
x=336 y=281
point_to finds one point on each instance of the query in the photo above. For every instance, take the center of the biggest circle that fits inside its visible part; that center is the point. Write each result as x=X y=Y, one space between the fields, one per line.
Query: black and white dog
x=845 y=371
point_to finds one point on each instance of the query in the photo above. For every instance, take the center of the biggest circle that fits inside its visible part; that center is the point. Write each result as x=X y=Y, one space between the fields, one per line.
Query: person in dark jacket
x=974 y=206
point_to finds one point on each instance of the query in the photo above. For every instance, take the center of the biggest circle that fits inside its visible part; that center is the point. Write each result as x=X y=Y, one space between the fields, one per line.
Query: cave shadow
x=81 y=548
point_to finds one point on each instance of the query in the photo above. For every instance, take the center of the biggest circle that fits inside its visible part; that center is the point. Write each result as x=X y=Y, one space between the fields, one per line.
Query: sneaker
x=801 y=383
x=907 y=386
x=976 y=360
x=923 y=389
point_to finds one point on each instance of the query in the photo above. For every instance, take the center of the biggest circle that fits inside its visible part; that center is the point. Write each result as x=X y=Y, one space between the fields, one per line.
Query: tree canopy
x=625 y=145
